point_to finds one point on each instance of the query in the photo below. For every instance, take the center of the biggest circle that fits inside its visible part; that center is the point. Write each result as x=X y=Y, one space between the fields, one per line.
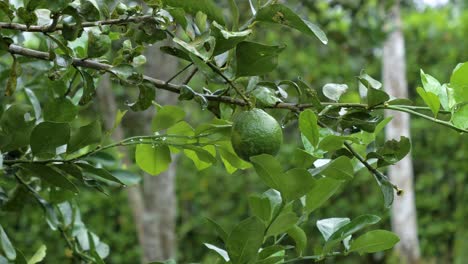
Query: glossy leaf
x=329 y=226
x=193 y=6
x=47 y=137
x=350 y=228
x=460 y=117
x=334 y=91
x=218 y=250
x=280 y=14
x=153 y=159
x=6 y=245
x=339 y=169
x=50 y=176
x=166 y=117
x=245 y=240
x=459 y=83
x=226 y=40
x=98 y=173
x=256 y=59
x=323 y=189
x=39 y=255
x=309 y=127
x=374 y=241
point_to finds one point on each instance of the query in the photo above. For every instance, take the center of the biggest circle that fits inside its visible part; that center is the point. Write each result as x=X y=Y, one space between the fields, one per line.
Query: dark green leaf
x=89 y=11
x=260 y=207
x=89 y=90
x=374 y=241
x=245 y=240
x=391 y=152
x=98 y=173
x=85 y=136
x=280 y=14
x=296 y=183
x=127 y=177
x=50 y=176
x=17 y=123
x=13 y=78
x=98 y=44
x=46 y=137
x=145 y=98
x=193 y=6
x=153 y=159
x=256 y=59
x=226 y=40
x=29 y=18
x=219 y=229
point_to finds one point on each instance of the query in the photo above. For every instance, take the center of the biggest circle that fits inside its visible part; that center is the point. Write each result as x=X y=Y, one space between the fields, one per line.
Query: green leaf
x=166 y=117
x=268 y=169
x=193 y=6
x=245 y=240
x=226 y=40
x=17 y=123
x=89 y=90
x=323 y=189
x=432 y=85
x=34 y=102
x=280 y=14
x=260 y=207
x=256 y=59
x=29 y=18
x=54 y=7
x=50 y=176
x=98 y=173
x=296 y=183
x=98 y=44
x=459 y=83
x=265 y=97
x=198 y=47
x=221 y=232
x=89 y=11
x=300 y=238
x=374 y=241
x=270 y=251
x=431 y=99
x=85 y=136
x=13 y=78
x=201 y=157
x=127 y=177
x=329 y=226
x=230 y=160
x=122 y=71
x=339 y=169
x=6 y=245
x=460 y=117
x=350 y=228
x=221 y=252
x=38 y=256
x=334 y=91
x=282 y=223
x=391 y=152
x=145 y=98
x=46 y=137
x=308 y=126
x=153 y=159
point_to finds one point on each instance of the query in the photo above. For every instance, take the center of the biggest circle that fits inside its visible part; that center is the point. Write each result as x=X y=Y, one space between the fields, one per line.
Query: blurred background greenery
x=435 y=39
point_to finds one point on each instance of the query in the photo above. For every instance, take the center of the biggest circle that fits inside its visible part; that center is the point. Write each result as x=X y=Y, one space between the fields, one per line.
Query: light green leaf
x=245 y=240
x=166 y=117
x=460 y=116
x=85 y=136
x=256 y=59
x=308 y=126
x=459 y=83
x=153 y=159
x=431 y=99
x=265 y=97
x=38 y=256
x=432 y=85
x=280 y=14
x=374 y=241
x=323 y=189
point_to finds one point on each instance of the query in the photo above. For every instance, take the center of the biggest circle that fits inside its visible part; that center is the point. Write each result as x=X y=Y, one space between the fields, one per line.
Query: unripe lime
x=255 y=132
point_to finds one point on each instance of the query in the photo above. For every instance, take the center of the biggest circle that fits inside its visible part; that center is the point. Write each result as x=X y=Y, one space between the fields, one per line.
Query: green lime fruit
x=255 y=132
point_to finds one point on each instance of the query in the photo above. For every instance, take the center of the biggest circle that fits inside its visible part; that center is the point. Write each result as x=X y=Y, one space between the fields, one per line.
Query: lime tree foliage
x=54 y=53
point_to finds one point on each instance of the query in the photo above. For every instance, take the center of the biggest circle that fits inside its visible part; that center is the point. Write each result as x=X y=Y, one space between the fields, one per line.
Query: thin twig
x=190 y=76
x=56 y=27
x=179 y=73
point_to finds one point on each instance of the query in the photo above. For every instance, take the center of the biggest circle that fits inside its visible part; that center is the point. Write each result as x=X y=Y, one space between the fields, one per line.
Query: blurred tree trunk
x=404 y=219
x=154 y=203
